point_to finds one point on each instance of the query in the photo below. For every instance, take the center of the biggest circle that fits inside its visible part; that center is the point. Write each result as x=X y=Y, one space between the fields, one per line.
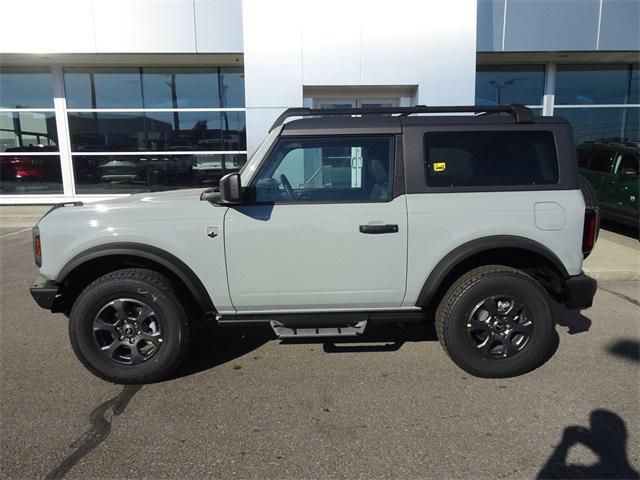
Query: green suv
x=612 y=169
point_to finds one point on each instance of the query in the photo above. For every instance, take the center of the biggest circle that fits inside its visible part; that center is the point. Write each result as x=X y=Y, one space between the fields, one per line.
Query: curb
x=18 y=221
x=613 y=275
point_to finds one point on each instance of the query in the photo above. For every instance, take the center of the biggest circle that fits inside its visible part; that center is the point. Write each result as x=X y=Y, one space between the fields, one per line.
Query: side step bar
x=325 y=324
x=283 y=331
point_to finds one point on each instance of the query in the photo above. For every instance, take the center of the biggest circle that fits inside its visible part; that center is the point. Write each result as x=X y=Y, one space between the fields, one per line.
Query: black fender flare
x=131 y=249
x=467 y=250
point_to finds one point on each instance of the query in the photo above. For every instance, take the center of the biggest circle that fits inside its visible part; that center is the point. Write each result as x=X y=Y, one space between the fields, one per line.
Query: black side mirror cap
x=231 y=189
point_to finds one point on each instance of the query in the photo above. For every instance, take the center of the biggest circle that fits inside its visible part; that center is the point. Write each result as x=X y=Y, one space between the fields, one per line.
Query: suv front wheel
x=129 y=326
x=495 y=321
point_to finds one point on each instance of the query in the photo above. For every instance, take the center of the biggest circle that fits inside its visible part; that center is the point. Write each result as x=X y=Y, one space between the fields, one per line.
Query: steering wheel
x=287 y=188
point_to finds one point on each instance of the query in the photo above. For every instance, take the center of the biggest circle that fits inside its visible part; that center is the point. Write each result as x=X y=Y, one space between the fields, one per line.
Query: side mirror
x=231 y=189
x=628 y=173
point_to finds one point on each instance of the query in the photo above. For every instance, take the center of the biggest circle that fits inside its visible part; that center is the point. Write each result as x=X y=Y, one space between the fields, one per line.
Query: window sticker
x=439 y=166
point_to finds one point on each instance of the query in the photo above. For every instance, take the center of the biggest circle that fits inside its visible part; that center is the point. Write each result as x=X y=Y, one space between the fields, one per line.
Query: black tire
x=589 y=194
x=166 y=326
x=456 y=322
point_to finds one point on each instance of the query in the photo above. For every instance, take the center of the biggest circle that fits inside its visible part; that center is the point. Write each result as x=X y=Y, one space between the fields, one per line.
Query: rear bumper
x=579 y=291
x=44 y=292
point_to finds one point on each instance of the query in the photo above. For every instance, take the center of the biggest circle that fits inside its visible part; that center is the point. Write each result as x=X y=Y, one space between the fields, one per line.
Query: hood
x=169 y=206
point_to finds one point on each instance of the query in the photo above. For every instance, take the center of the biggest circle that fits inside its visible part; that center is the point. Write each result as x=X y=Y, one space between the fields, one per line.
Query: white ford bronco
x=335 y=222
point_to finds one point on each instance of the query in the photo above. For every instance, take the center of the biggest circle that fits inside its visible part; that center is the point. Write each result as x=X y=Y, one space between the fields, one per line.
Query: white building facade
x=101 y=98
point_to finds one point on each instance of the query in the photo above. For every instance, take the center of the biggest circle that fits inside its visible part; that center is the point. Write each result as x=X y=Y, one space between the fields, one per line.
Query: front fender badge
x=212 y=231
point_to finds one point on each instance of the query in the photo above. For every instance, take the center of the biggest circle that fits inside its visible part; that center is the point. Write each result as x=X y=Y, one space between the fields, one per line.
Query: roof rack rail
x=520 y=113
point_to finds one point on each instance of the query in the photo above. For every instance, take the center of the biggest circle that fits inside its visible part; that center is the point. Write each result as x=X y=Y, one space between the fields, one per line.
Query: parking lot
x=246 y=405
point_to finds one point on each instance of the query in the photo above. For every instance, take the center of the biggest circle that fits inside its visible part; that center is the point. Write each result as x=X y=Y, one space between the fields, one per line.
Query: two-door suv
x=335 y=222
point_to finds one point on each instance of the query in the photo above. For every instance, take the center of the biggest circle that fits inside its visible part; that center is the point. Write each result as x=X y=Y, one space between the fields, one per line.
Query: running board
x=330 y=320
x=283 y=331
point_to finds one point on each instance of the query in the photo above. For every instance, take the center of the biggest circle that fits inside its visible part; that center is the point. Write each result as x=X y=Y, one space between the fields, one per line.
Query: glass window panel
x=232 y=80
x=93 y=131
x=103 y=88
x=21 y=131
x=196 y=130
x=470 y=159
x=602 y=124
x=25 y=88
x=193 y=87
x=509 y=84
x=143 y=173
x=634 y=94
x=346 y=168
x=30 y=174
x=596 y=84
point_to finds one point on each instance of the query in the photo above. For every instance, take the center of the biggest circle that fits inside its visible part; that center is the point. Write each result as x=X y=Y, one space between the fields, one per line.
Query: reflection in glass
x=596 y=84
x=30 y=174
x=189 y=87
x=103 y=88
x=97 y=132
x=94 y=131
x=509 y=84
x=196 y=131
x=26 y=88
x=602 y=124
x=193 y=87
x=23 y=130
x=143 y=173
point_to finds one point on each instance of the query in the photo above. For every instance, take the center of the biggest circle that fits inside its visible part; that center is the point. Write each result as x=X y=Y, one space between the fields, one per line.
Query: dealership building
x=103 y=98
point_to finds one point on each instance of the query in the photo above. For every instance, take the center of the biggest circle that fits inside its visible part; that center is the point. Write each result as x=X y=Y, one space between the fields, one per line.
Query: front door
x=322 y=229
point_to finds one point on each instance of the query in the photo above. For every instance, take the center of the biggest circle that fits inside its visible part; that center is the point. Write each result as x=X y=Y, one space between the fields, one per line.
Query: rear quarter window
x=485 y=159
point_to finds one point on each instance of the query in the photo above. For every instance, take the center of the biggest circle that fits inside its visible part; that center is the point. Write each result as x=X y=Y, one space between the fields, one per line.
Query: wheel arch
x=509 y=250
x=96 y=261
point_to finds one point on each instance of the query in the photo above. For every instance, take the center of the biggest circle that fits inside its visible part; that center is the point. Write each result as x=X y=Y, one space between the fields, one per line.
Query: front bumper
x=44 y=292
x=579 y=291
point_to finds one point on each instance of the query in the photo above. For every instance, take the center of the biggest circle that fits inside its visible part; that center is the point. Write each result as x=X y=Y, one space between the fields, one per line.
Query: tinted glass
x=601 y=159
x=509 y=84
x=328 y=169
x=596 y=84
x=30 y=174
x=602 y=124
x=24 y=130
x=628 y=162
x=25 y=88
x=143 y=173
x=154 y=88
x=103 y=88
x=97 y=131
x=196 y=130
x=469 y=159
x=107 y=131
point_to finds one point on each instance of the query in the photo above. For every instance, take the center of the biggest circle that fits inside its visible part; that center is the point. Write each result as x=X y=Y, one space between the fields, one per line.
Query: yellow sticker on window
x=439 y=167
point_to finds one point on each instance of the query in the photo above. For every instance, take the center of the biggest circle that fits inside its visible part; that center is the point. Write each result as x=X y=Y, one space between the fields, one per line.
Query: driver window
x=325 y=169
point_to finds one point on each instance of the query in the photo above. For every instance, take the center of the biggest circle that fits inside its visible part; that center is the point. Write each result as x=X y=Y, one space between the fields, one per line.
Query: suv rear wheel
x=129 y=326
x=495 y=321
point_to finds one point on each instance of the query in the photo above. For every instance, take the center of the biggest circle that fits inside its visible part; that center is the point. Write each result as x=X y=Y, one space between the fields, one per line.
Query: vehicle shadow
x=378 y=337
x=627 y=349
x=212 y=346
x=572 y=319
x=606 y=437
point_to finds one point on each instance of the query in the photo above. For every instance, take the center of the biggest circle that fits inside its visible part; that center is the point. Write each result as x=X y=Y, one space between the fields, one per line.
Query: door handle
x=375 y=229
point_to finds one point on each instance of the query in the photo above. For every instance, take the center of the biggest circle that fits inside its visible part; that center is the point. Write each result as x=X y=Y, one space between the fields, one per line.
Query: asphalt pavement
x=248 y=406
